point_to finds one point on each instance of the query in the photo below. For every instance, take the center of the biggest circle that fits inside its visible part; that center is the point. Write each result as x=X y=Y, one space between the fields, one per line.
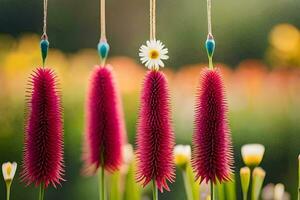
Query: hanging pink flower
x=212 y=154
x=43 y=150
x=104 y=122
x=155 y=138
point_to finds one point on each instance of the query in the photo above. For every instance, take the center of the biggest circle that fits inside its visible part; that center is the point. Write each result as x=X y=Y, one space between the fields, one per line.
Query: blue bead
x=210 y=46
x=103 y=49
x=44 y=49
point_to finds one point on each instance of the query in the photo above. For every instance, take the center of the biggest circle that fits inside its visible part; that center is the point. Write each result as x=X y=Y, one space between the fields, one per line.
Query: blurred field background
x=258 y=50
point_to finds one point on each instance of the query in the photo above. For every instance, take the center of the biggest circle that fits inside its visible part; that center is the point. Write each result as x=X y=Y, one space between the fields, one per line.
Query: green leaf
x=195 y=185
x=220 y=193
x=132 y=189
x=114 y=186
x=230 y=189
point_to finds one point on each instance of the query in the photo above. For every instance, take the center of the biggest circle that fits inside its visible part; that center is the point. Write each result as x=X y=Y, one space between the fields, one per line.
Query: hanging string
x=45 y=17
x=103 y=46
x=152 y=19
x=102 y=20
x=209 y=16
x=210 y=42
x=44 y=40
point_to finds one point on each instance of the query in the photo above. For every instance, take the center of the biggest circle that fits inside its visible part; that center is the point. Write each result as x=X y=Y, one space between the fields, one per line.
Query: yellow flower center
x=181 y=159
x=153 y=54
x=8 y=170
x=252 y=160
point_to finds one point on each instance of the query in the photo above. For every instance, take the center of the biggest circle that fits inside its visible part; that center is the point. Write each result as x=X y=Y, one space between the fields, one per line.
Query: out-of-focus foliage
x=284 y=50
x=240 y=27
x=264 y=107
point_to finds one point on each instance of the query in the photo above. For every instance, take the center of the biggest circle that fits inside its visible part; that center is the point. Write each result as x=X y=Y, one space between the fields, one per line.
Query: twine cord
x=209 y=17
x=44 y=39
x=210 y=43
x=45 y=17
x=102 y=20
x=152 y=19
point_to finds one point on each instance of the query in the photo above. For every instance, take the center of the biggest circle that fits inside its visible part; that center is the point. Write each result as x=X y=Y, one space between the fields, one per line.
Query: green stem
x=252 y=188
x=154 y=190
x=8 y=191
x=210 y=63
x=101 y=184
x=250 y=183
x=245 y=196
x=188 y=191
x=212 y=190
x=299 y=177
x=42 y=192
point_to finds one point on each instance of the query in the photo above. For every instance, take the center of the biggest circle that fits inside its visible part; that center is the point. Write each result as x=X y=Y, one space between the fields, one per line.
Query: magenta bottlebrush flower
x=212 y=157
x=155 y=138
x=104 y=128
x=43 y=149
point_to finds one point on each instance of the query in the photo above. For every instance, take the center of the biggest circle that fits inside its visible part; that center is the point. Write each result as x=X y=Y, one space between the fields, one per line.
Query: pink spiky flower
x=104 y=122
x=43 y=149
x=155 y=138
x=212 y=157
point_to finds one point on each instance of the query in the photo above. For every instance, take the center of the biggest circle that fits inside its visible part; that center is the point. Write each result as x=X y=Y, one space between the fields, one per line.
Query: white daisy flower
x=153 y=53
x=253 y=154
x=9 y=170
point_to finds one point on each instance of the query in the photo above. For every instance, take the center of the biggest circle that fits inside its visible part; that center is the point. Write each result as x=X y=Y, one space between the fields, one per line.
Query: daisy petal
x=164 y=57
x=161 y=63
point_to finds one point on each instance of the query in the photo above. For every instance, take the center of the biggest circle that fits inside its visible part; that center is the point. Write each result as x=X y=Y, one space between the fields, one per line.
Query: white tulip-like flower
x=153 y=53
x=9 y=169
x=258 y=177
x=245 y=175
x=128 y=154
x=128 y=158
x=182 y=155
x=279 y=191
x=253 y=154
x=275 y=192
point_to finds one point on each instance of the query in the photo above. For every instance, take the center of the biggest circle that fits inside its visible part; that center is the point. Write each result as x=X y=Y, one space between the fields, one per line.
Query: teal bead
x=210 y=46
x=103 y=49
x=44 y=49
